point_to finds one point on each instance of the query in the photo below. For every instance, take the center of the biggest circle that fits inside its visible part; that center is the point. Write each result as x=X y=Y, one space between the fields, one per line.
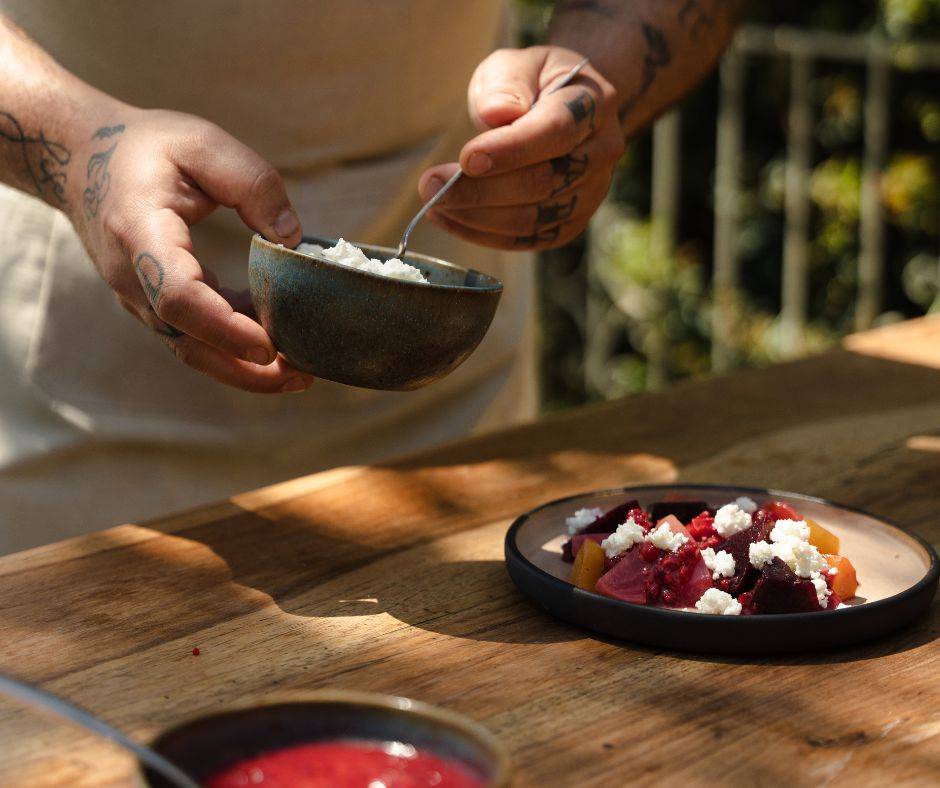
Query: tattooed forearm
x=695 y=18
x=658 y=55
x=43 y=159
x=97 y=172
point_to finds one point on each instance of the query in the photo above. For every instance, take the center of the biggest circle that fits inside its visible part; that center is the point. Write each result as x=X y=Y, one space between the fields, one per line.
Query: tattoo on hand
x=43 y=159
x=556 y=212
x=583 y=107
x=545 y=236
x=150 y=271
x=570 y=168
x=658 y=55
x=108 y=131
x=97 y=172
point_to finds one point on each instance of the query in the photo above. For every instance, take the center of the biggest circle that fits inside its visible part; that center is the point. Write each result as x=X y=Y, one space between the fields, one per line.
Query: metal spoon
x=44 y=701
x=403 y=245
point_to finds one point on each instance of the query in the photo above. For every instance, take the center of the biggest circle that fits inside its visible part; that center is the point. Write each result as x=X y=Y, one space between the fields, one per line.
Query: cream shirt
x=351 y=100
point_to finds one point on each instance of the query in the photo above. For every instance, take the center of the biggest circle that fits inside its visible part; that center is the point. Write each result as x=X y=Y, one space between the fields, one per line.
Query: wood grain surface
x=391 y=579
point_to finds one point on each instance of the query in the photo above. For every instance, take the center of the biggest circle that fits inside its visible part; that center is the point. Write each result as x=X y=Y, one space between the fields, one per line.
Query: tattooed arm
x=132 y=182
x=652 y=51
x=537 y=177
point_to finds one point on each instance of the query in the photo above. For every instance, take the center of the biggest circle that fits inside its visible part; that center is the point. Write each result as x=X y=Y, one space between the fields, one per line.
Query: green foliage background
x=665 y=303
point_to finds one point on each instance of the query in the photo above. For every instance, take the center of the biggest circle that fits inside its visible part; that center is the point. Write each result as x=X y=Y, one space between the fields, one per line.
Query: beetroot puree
x=346 y=764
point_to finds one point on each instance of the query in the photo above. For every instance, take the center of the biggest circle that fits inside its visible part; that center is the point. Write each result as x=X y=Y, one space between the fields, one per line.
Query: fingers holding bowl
x=203 y=329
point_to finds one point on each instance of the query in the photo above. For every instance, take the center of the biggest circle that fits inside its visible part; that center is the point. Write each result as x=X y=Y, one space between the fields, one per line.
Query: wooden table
x=391 y=579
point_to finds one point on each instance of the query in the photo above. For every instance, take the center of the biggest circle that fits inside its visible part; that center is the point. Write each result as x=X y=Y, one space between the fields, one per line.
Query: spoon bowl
x=368 y=330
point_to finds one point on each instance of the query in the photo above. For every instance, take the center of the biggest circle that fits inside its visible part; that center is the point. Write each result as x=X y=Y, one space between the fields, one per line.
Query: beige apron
x=351 y=100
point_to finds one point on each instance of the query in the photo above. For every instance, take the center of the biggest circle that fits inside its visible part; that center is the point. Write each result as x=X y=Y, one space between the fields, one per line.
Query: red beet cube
x=780 y=590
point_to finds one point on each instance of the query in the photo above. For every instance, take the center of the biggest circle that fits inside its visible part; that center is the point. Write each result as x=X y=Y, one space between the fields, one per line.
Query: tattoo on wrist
x=43 y=159
x=658 y=55
x=696 y=17
x=583 y=107
x=97 y=174
x=556 y=212
x=570 y=168
x=150 y=272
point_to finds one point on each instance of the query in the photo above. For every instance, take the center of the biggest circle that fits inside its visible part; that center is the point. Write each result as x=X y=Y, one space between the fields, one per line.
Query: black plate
x=897 y=572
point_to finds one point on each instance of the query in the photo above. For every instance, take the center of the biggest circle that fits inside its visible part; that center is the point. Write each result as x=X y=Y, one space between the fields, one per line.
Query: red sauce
x=346 y=764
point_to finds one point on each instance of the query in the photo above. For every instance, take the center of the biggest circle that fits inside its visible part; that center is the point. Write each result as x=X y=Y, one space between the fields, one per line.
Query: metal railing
x=804 y=49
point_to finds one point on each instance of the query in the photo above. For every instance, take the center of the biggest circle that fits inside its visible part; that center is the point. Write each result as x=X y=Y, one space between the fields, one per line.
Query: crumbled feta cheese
x=721 y=563
x=718 y=602
x=730 y=519
x=760 y=553
x=790 y=544
x=807 y=560
x=789 y=530
x=665 y=538
x=581 y=518
x=822 y=589
x=349 y=254
x=746 y=504
x=621 y=540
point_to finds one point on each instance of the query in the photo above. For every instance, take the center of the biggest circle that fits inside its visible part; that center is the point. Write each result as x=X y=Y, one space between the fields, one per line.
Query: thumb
x=503 y=87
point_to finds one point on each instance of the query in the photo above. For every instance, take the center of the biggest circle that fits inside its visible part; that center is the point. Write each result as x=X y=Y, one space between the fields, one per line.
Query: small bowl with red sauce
x=334 y=739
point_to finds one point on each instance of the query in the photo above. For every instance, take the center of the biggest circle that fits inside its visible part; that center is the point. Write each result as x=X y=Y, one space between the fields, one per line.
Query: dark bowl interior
x=209 y=744
x=367 y=330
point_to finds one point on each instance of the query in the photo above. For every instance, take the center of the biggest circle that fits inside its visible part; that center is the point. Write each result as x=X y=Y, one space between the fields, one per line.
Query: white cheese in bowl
x=349 y=254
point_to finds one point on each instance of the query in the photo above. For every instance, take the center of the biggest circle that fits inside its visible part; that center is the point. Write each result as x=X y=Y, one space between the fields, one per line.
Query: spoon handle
x=37 y=698
x=403 y=245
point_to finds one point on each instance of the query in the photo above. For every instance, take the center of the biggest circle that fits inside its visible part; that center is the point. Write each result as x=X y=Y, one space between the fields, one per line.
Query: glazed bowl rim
x=465 y=727
x=488 y=283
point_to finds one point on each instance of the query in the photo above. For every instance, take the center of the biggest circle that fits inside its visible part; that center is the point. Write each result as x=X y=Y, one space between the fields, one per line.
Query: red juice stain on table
x=346 y=764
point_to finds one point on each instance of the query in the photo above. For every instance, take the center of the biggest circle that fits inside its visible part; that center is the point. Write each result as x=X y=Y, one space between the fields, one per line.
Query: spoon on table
x=403 y=245
x=45 y=701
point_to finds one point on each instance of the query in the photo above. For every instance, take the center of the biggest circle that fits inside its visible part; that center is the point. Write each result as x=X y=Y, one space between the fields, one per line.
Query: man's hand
x=140 y=184
x=132 y=182
x=536 y=173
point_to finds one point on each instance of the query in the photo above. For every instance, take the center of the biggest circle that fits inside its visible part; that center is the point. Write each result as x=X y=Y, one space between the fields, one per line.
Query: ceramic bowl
x=208 y=744
x=368 y=330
